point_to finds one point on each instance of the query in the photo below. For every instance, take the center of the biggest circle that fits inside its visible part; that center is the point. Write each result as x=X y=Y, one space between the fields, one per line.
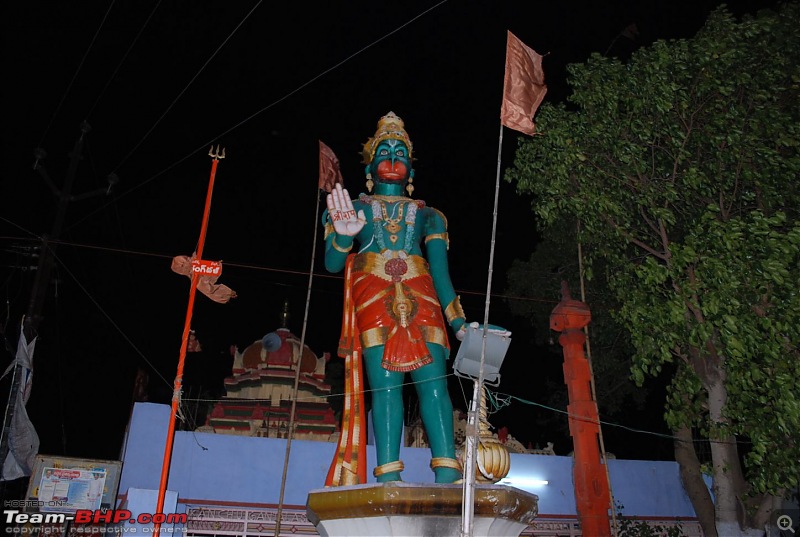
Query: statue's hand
x=343 y=216
x=460 y=327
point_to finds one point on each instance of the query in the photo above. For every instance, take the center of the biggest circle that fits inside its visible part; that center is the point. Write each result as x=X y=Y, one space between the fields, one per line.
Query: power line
x=505 y=398
x=124 y=57
x=204 y=145
x=248 y=266
x=108 y=317
x=75 y=75
x=180 y=94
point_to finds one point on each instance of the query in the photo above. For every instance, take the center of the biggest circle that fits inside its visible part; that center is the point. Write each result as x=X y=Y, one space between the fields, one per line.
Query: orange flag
x=523 y=88
x=329 y=172
x=206 y=283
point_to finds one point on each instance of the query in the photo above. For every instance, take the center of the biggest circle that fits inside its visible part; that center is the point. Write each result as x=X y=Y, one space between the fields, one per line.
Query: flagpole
x=297 y=373
x=176 y=391
x=523 y=91
x=468 y=495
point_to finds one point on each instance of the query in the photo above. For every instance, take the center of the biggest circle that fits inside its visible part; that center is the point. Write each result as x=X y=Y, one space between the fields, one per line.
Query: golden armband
x=454 y=310
x=442 y=236
x=339 y=248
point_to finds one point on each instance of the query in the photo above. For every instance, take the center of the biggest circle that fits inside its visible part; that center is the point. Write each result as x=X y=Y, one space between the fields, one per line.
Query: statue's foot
x=388 y=472
x=447 y=470
x=447 y=475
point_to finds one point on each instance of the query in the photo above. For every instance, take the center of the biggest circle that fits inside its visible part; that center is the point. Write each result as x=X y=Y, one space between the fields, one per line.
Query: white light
x=524 y=482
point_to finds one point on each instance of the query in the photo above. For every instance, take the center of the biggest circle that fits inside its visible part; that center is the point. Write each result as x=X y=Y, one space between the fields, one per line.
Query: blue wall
x=225 y=468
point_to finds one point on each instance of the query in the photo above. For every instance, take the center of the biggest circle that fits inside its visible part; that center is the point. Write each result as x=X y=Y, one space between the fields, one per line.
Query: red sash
x=349 y=465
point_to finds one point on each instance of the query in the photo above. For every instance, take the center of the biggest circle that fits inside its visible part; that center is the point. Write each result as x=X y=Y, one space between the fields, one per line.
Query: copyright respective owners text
x=87 y=531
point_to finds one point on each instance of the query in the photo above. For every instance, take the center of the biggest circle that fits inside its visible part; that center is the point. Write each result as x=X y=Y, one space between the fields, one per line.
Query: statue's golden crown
x=390 y=127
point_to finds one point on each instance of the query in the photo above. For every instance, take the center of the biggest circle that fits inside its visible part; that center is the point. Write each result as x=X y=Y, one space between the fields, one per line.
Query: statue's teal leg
x=437 y=411
x=387 y=410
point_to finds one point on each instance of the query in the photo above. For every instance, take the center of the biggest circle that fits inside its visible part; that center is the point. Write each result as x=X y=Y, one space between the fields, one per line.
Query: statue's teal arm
x=436 y=249
x=335 y=257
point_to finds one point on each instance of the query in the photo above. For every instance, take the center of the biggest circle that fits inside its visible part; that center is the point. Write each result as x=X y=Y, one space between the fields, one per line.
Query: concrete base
x=409 y=510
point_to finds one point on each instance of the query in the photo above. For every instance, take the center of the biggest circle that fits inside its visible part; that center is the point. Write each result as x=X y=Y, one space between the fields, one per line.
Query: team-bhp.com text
x=87 y=517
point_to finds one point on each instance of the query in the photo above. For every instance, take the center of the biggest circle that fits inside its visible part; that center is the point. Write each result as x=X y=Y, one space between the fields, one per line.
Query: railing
x=244 y=522
x=211 y=521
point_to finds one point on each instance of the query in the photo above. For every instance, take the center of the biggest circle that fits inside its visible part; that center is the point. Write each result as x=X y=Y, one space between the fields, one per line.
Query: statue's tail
x=349 y=465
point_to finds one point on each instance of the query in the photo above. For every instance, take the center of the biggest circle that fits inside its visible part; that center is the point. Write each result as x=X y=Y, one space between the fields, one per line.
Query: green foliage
x=682 y=166
x=639 y=528
x=631 y=527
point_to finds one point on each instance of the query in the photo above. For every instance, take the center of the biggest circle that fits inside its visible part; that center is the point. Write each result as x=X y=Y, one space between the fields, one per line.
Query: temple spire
x=285 y=315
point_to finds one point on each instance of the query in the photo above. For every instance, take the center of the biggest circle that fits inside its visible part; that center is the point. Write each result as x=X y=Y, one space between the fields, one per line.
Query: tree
x=682 y=167
x=554 y=260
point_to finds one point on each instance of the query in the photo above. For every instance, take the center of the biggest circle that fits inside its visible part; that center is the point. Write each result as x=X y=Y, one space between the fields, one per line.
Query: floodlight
x=468 y=359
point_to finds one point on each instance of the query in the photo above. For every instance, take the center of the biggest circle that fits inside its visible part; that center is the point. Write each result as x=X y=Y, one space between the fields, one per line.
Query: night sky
x=161 y=81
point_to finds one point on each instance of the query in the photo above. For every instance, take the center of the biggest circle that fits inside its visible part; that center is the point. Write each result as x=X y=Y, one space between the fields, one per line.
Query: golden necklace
x=392 y=225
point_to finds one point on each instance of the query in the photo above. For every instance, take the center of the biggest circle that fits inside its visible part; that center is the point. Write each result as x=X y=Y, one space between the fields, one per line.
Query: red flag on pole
x=524 y=88
x=329 y=172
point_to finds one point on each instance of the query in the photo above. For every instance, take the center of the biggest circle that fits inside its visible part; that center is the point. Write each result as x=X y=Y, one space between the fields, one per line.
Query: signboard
x=67 y=484
x=208 y=268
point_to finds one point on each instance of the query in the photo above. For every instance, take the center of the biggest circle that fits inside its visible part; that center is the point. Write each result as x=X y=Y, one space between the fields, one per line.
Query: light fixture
x=524 y=482
x=468 y=359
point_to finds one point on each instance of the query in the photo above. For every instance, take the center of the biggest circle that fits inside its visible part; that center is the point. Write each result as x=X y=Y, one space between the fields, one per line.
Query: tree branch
x=634 y=240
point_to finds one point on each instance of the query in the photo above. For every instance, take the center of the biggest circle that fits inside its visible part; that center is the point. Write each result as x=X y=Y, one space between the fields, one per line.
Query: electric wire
x=249 y=266
x=108 y=317
x=19 y=227
x=500 y=400
x=124 y=57
x=75 y=75
x=180 y=94
x=204 y=145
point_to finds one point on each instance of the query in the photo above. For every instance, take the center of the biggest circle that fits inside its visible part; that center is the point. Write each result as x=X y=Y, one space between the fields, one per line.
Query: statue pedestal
x=409 y=509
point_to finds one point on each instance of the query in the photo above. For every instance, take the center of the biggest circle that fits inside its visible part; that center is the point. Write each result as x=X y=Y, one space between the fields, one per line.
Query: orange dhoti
x=395 y=305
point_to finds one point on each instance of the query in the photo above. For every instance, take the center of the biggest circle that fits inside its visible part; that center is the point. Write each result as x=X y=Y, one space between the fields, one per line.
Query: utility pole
x=46 y=258
x=33 y=317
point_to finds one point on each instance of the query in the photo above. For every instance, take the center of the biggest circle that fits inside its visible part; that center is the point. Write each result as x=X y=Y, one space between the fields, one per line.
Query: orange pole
x=176 y=391
x=590 y=479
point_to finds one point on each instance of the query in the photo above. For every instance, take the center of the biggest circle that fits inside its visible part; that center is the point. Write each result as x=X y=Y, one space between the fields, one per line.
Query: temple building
x=259 y=392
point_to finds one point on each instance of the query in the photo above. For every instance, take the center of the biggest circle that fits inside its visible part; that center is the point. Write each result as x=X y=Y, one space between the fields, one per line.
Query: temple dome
x=256 y=356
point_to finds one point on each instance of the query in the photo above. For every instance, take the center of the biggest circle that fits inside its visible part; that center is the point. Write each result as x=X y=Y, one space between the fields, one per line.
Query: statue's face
x=391 y=163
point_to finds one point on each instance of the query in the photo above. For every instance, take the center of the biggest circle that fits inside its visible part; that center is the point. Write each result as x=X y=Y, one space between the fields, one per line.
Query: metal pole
x=468 y=494
x=176 y=392
x=297 y=376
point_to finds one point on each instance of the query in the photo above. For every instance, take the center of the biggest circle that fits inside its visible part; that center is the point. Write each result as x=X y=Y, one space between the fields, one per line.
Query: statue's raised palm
x=343 y=216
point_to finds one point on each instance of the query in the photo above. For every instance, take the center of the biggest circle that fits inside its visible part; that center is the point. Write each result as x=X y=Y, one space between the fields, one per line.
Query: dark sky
x=160 y=81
